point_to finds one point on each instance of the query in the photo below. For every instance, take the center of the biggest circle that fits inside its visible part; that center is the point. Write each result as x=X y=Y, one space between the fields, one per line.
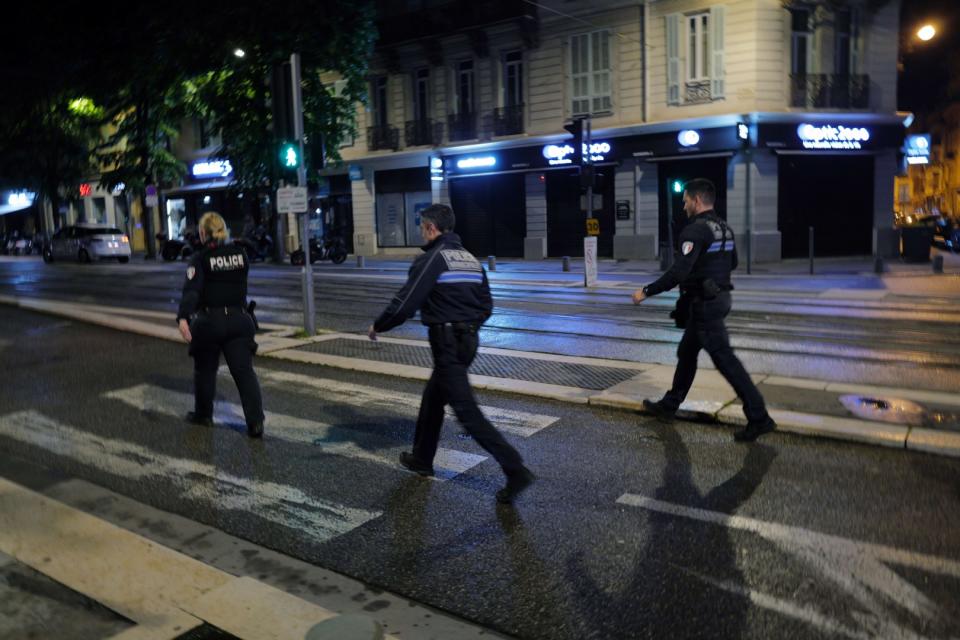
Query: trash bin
x=915 y=243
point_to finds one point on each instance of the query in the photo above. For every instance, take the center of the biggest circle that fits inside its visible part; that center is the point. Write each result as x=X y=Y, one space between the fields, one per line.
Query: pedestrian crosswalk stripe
x=333 y=440
x=519 y=423
x=314 y=518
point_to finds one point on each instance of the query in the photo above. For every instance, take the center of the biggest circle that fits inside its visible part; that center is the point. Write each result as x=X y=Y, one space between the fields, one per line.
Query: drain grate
x=486 y=364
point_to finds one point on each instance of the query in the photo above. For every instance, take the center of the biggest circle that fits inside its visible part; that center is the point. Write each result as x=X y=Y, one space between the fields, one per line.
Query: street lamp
x=239 y=52
x=926 y=32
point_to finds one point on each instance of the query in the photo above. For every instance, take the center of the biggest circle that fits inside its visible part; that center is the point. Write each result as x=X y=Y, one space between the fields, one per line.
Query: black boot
x=754 y=430
x=255 y=430
x=516 y=483
x=193 y=418
x=412 y=463
x=658 y=409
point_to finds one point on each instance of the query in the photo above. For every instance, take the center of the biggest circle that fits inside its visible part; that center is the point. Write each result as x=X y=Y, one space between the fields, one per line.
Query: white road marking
x=282 y=504
x=857 y=567
x=520 y=423
x=334 y=440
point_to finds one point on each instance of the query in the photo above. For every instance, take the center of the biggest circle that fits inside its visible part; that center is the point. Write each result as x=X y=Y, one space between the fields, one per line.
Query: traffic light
x=575 y=129
x=290 y=156
x=677 y=186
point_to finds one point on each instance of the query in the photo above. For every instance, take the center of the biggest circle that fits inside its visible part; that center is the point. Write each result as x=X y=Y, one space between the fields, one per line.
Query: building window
x=846 y=42
x=698 y=47
x=801 y=43
x=381 y=109
x=513 y=79
x=590 y=73
x=465 y=94
x=339 y=87
x=421 y=95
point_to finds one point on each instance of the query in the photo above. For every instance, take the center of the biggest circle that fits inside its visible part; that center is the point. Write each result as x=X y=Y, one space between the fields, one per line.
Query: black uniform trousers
x=705 y=330
x=231 y=331
x=454 y=347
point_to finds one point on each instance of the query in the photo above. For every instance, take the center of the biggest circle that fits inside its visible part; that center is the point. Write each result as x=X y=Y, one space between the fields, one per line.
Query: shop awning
x=213 y=185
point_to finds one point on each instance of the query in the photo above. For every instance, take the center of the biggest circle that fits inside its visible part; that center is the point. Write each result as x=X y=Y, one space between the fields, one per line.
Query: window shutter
x=854 y=40
x=673 y=58
x=717 y=71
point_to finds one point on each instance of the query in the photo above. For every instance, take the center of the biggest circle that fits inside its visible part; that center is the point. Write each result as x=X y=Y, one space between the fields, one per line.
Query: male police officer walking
x=707 y=256
x=450 y=289
x=213 y=317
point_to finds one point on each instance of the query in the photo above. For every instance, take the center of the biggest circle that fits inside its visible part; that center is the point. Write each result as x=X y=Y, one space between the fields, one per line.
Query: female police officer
x=213 y=317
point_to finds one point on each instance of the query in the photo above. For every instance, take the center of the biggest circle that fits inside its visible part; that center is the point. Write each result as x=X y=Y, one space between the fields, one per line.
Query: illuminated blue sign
x=743 y=131
x=832 y=137
x=917 y=149
x=211 y=169
x=557 y=154
x=21 y=199
x=477 y=162
x=688 y=138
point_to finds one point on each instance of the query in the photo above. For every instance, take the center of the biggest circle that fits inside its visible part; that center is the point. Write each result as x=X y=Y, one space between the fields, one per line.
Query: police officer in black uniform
x=214 y=317
x=450 y=289
x=707 y=256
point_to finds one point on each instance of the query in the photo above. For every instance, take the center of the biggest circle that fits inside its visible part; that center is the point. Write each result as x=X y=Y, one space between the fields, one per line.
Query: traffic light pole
x=584 y=161
x=309 y=312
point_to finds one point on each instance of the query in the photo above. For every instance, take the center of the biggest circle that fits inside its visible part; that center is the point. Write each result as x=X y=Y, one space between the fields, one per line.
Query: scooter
x=332 y=248
x=258 y=244
x=171 y=249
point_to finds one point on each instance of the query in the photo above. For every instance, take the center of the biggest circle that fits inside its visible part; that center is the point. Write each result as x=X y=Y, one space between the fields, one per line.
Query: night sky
x=928 y=66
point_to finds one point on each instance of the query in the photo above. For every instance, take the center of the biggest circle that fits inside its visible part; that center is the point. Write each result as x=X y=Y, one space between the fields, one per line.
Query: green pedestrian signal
x=677 y=186
x=290 y=156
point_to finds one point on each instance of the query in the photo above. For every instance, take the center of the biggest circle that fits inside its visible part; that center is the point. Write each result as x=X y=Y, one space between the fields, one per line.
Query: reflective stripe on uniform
x=459 y=277
x=718 y=246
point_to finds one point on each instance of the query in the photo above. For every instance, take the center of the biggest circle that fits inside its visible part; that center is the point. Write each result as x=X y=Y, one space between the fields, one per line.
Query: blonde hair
x=214 y=228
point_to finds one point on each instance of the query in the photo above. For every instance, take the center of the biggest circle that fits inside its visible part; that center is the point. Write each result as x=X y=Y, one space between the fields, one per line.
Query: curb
x=282 y=347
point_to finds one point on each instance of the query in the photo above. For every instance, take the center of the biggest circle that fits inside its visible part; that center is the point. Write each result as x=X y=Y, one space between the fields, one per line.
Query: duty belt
x=224 y=310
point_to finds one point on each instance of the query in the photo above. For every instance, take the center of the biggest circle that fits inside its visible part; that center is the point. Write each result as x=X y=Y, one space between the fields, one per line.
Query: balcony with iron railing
x=508 y=121
x=423 y=132
x=383 y=138
x=829 y=91
x=462 y=126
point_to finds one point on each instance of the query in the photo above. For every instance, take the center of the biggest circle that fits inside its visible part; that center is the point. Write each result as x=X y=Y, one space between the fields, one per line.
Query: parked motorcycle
x=171 y=249
x=257 y=243
x=332 y=248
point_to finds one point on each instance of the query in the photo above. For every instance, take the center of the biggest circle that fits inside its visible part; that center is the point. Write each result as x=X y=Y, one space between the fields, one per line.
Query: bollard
x=811 y=250
x=491 y=263
x=938 y=264
x=361 y=262
x=878 y=266
x=566 y=263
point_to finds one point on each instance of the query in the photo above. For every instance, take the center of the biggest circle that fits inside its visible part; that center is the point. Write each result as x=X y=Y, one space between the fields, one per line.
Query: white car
x=86 y=243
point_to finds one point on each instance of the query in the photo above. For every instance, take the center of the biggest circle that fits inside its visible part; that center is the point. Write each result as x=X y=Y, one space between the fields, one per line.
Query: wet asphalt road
x=777 y=328
x=634 y=528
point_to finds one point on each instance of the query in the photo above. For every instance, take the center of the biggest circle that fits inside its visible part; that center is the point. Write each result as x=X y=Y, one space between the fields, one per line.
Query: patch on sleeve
x=687 y=247
x=191 y=271
x=460 y=260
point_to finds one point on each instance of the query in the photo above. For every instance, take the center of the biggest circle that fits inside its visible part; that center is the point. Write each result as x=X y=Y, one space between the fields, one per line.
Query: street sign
x=590 y=261
x=593 y=227
x=597 y=202
x=291 y=199
x=152 y=197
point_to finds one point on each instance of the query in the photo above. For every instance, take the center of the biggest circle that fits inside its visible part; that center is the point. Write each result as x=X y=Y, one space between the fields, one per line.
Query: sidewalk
x=913 y=419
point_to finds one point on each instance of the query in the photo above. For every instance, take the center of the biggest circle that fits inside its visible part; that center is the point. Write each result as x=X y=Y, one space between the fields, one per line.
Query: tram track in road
x=769 y=331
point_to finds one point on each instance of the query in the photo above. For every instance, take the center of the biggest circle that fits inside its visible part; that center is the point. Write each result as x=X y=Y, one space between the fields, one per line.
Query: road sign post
x=309 y=314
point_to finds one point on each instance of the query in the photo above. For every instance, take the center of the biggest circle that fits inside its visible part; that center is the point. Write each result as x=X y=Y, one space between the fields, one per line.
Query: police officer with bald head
x=707 y=256
x=449 y=288
x=214 y=317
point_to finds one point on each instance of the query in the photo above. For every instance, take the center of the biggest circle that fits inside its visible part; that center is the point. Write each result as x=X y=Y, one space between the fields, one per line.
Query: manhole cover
x=895 y=410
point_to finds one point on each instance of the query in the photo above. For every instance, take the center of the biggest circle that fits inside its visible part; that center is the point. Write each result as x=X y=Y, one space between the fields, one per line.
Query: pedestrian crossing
x=215 y=489
x=340 y=441
x=319 y=518
x=519 y=423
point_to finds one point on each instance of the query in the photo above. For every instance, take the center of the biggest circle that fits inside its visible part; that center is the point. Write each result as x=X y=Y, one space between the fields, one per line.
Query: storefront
x=208 y=188
x=776 y=175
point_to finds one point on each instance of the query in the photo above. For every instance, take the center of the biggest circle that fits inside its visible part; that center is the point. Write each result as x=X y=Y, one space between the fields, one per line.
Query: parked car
x=86 y=243
x=946 y=233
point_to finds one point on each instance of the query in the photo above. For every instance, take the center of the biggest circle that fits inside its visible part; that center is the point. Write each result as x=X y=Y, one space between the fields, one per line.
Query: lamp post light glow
x=239 y=52
x=926 y=32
